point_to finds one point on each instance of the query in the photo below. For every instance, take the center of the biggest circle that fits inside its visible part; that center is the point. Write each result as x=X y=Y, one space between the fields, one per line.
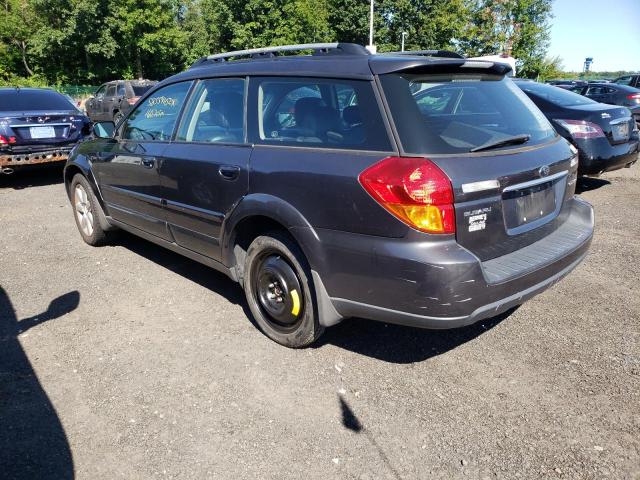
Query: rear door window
x=111 y=91
x=156 y=117
x=554 y=95
x=321 y=113
x=215 y=113
x=464 y=112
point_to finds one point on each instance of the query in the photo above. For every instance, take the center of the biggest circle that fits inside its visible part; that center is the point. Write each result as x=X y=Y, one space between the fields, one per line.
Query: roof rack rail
x=429 y=53
x=272 y=52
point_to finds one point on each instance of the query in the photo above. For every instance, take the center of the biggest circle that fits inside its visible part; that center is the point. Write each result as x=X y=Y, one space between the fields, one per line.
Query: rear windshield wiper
x=503 y=142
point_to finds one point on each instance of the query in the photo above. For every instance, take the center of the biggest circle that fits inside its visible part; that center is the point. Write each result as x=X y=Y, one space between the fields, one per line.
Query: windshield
x=15 y=100
x=456 y=113
x=557 y=96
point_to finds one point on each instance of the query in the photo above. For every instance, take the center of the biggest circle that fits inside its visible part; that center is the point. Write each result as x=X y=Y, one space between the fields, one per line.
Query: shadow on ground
x=387 y=342
x=586 y=184
x=204 y=276
x=33 y=443
x=398 y=344
x=33 y=176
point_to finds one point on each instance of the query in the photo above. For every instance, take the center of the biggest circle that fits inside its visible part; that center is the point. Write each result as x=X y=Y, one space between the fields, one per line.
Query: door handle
x=148 y=162
x=229 y=172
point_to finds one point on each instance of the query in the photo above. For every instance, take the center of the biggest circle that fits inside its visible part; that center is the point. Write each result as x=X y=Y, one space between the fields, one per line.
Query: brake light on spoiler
x=414 y=190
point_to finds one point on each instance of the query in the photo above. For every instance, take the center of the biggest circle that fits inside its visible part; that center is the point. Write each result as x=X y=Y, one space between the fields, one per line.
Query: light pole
x=371 y=46
x=404 y=34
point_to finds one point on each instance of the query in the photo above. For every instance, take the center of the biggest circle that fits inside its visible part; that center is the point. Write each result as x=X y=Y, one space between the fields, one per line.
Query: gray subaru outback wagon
x=422 y=189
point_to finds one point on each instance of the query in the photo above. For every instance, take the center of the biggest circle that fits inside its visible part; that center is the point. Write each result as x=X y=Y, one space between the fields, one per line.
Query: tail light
x=132 y=100
x=634 y=96
x=581 y=128
x=414 y=190
x=7 y=141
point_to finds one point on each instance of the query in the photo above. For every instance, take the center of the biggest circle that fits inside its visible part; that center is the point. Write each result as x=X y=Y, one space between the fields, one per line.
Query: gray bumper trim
x=348 y=308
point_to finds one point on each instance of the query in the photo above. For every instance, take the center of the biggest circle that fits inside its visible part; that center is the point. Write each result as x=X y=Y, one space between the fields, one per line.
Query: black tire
x=97 y=234
x=283 y=314
x=117 y=116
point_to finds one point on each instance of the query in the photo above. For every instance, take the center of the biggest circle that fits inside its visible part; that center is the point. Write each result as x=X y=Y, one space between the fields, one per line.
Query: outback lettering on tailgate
x=477 y=218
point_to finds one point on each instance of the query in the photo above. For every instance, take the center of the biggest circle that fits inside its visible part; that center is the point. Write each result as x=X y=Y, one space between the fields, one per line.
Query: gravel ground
x=132 y=362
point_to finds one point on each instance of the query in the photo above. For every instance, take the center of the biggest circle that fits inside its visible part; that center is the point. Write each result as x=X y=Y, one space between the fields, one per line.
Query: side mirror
x=104 y=129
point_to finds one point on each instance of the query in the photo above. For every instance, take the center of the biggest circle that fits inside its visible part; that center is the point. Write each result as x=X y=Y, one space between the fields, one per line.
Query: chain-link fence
x=79 y=93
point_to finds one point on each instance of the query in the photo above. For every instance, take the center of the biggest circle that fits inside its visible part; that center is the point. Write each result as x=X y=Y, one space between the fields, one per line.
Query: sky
x=607 y=30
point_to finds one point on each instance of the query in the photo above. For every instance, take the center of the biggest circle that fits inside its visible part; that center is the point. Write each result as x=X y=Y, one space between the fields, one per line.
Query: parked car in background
x=37 y=126
x=615 y=94
x=114 y=99
x=329 y=189
x=630 y=80
x=567 y=84
x=606 y=136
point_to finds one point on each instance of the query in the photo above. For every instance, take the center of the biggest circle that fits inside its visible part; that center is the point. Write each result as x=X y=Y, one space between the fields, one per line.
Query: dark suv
x=114 y=99
x=332 y=185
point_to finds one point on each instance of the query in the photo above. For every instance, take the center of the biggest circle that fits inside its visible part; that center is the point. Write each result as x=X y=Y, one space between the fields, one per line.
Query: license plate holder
x=529 y=204
x=620 y=132
x=42 y=132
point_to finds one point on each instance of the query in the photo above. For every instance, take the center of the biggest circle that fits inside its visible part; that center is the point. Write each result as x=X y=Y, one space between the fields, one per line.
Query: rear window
x=30 y=100
x=454 y=113
x=555 y=95
x=140 y=90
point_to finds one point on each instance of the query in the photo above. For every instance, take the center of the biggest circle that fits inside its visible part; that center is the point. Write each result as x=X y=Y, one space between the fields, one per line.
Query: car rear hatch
x=505 y=202
x=512 y=176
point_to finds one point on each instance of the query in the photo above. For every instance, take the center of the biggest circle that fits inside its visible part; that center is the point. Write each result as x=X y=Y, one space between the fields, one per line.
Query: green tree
x=17 y=23
x=516 y=27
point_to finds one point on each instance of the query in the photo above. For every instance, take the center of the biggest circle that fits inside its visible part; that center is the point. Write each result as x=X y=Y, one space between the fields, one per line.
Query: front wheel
x=279 y=291
x=87 y=212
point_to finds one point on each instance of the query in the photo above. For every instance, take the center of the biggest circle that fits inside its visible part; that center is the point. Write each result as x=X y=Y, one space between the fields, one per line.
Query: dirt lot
x=132 y=362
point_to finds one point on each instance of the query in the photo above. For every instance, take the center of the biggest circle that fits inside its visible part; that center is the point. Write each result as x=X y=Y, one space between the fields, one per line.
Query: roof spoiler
x=439 y=65
x=428 y=53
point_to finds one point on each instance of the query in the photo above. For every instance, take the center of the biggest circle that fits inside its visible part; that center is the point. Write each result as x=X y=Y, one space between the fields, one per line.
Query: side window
x=100 y=92
x=121 y=91
x=156 y=117
x=285 y=110
x=319 y=113
x=111 y=91
x=215 y=113
x=624 y=80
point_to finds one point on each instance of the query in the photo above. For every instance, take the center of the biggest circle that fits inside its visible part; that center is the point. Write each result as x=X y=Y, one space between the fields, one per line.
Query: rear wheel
x=87 y=212
x=278 y=288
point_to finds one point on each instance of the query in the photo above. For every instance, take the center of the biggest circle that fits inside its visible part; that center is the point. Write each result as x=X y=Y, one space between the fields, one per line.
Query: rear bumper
x=598 y=155
x=13 y=160
x=442 y=285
